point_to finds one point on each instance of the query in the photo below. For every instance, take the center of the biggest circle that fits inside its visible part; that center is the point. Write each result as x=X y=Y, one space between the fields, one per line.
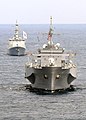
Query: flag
x=50 y=34
x=24 y=35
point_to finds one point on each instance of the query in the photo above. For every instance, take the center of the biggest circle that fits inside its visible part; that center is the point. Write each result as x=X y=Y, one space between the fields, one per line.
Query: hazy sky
x=39 y=11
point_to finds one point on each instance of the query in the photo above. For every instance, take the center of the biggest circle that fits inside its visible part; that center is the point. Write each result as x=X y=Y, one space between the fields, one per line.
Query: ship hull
x=16 y=51
x=49 y=78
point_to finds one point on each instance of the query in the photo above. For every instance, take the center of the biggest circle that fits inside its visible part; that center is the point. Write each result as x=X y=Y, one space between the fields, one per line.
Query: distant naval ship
x=17 y=45
x=51 y=68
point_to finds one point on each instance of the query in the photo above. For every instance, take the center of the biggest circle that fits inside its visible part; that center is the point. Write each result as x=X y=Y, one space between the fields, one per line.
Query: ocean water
x=18 y=103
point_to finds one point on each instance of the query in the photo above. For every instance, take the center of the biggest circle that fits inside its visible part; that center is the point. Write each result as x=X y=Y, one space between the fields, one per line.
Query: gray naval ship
x=17 y=45
x=51 y=68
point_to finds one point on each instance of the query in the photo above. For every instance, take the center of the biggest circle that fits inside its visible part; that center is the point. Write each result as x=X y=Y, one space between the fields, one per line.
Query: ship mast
x=50 y=42
x=16 y=35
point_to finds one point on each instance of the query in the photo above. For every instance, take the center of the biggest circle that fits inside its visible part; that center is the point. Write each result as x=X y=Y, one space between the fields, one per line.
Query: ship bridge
x=47 y=60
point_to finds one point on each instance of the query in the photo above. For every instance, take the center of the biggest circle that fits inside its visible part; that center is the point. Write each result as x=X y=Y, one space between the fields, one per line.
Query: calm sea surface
x=17 y=103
